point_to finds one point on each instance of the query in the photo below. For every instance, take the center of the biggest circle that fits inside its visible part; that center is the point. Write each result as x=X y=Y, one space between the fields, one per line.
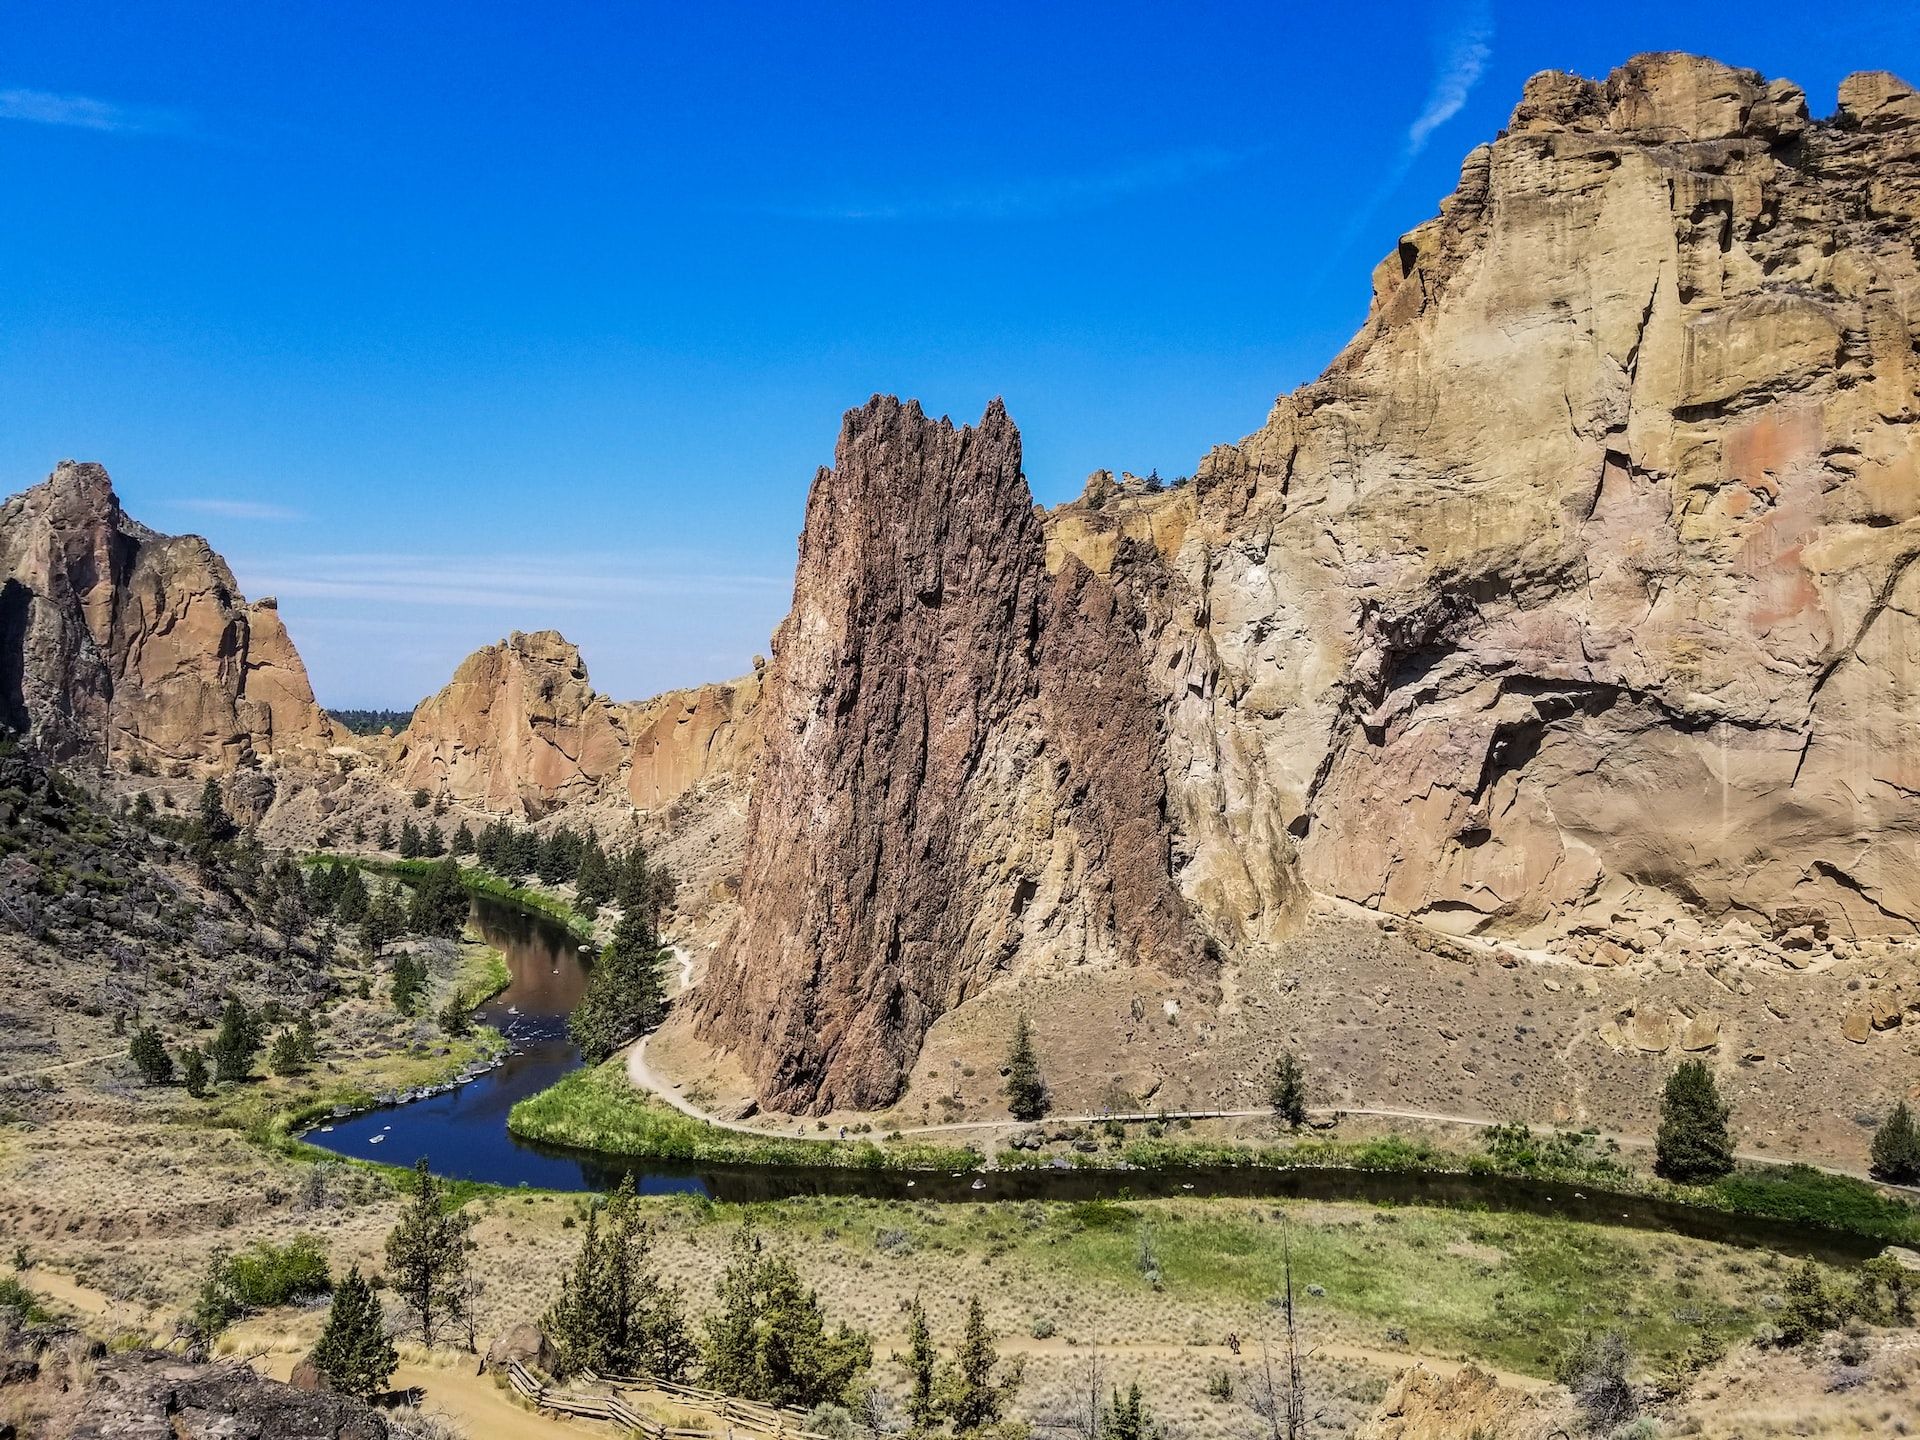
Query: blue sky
x=441 y=320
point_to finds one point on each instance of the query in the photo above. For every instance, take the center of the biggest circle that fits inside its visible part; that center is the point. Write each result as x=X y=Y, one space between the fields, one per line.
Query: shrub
x=1693 y=1145
x=1896 y=1148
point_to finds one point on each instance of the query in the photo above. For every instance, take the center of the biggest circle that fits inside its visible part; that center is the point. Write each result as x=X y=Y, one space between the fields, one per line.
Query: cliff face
x=520 y=729
x=958 y=776
x=128 y=646
x=1579 y=591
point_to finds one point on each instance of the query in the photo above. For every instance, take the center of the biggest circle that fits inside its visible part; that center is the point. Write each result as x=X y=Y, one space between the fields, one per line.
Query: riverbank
x=476 y=881
x=598 y=1110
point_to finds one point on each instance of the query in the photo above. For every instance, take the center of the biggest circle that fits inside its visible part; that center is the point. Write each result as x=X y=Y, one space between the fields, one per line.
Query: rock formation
x=1580 y=587
x=520 y=729
x=1467 y=1405
x=134 y=648
x=960 y=771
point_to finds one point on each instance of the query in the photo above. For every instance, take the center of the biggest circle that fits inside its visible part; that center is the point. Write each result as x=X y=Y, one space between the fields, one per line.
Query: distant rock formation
x=521 y=730
x=959 y=774
x=134 y=648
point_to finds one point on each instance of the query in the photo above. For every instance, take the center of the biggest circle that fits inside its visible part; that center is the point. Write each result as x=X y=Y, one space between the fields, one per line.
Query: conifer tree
x=1287 y=1091
x=976 y=1389
x=614 y=1315
x=1693 y=1146
x=150 y=1055
x=593 y=882
x=410 y=840
x=730 y=1348
x=383 y=837
x=922 y=1367
x=1129 y=1418
x=351 y=903
x=193 y=1071
x=213 y=825
x=1026 y=1089
x=284 y=1057
x=425 y=1254
x=626 y=993
x=463 y=840
x=1896 y=1148
x=354 y=1352
x=801 y=1364
x=433 y=844
x=236 y=1042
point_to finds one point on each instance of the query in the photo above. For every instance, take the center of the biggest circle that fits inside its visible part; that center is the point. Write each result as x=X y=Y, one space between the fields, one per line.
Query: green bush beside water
x=599 y=1110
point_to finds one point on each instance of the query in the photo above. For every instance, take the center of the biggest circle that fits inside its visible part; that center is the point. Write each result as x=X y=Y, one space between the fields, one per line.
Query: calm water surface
x=463 y=1134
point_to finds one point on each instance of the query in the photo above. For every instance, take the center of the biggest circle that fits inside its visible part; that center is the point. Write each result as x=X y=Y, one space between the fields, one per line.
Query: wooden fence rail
x=729 y=1410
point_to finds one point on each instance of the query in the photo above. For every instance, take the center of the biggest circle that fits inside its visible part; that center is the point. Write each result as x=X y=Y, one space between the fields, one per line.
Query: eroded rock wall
x=1580 y=588
x=133 y=648
x=959 y=772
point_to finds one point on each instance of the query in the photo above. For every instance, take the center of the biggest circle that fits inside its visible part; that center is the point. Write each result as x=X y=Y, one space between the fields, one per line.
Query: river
x=462 y=1133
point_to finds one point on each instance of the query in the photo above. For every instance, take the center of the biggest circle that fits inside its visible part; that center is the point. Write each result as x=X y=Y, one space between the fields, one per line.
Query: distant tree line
x=371 y=722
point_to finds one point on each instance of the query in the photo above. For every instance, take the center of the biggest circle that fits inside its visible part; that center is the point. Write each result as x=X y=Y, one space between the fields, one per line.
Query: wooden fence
x=729 y=1411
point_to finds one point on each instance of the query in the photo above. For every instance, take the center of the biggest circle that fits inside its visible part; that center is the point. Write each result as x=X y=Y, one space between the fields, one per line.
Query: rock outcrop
x=137 y=649
x=960 y=770
x=148 y=1393
x=679 y=740
x=521 y=730
x=1581 y=586
x=1467 y=1405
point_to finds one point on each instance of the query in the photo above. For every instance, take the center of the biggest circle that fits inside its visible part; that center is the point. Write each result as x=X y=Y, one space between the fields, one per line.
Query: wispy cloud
x=238 y=509
x=1465 y=51
x=85 y=112
x=1038 y=197
x=531 y=583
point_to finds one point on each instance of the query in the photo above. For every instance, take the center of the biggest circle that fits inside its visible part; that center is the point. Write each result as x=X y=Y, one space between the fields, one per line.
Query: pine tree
x=236 y=1043
x=593 y=882
x=801 y=1364
x=383 y=837
x=285 y=1058
x=440 y=904
x=351 y=905
x=1287 y=1091
x=974 y=1395
x=1693 y=1146
x=626 y=992
x=193 y=1071
x=1128 y=1419
x=213 y=825
x=1896 y=1148
x=307 y=1041
x=150 y=1054
x=1026 y=1090
x=922 y=1366
x=614 y=1315
x=410 y=840
x=433 y=844
x=425 y=1253
x=409 y=979
x=463 y=839
x=354 y=1352
x=730 y=1348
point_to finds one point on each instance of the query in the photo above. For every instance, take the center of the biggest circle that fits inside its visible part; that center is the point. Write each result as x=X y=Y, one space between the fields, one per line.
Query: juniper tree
x=1287 y=1091
x=976 y=1390
x=1693 y=1146
x=922 y=1367
x=1896 y=1148
x=1129 y=1418
x=286 y=1056
x=768 y=1339
x=353 y=1351
x=150 y=1055
x=193 y=1071
x=236 y=1042
x=1026 y=1089
x=425 y=1253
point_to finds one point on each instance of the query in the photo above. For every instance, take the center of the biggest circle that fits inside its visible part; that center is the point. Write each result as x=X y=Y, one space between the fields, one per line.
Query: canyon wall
x=1575 y=598
x=521 y=730
x=137 y=649
x=959 y=774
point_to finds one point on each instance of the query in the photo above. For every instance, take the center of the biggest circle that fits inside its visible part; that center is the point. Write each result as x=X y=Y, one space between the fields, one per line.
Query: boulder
x=524 y=1344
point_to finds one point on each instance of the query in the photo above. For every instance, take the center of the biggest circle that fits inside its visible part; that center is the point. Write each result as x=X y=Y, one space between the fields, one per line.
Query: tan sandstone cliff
x=137 y=649
x=520 y=729
x=1580 y=587
x=1575 y=598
